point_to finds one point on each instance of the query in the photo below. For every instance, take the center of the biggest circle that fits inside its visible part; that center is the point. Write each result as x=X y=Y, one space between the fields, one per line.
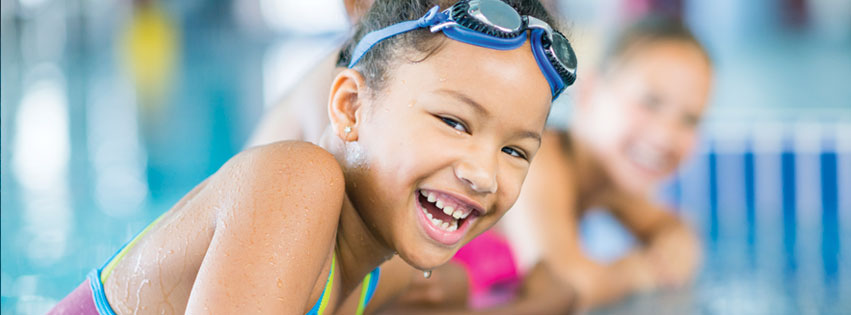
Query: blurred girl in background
x=634 y=124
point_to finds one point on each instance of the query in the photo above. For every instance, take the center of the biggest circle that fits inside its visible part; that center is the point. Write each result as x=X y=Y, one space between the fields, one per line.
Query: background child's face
x=641 y=118
x=423 y=135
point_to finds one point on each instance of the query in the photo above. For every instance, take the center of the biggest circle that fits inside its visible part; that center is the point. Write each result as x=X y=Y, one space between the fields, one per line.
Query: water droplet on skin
x=280 y=283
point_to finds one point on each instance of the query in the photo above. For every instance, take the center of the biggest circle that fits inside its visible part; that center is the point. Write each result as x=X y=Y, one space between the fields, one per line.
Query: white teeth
x=451 y=225
x=647 y=157
x=443 y=225
x=457 y=214
x=448 y=210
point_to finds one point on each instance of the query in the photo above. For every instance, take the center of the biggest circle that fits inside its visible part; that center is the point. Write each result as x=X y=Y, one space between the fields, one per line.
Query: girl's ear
x=348 y=90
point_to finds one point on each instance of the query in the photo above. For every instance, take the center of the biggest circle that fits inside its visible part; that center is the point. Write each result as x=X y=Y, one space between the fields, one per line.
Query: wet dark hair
x=645 y=32
x=414 y=46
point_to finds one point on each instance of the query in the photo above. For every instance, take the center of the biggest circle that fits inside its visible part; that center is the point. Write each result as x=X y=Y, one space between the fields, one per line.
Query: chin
x=427 y=257
x=637 y=182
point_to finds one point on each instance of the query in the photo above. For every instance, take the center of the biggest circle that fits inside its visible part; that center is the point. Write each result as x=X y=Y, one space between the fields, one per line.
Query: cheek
x=510 y=184
x=403 y=149
x=615 y=119
x=686 y=144
x=602 y=123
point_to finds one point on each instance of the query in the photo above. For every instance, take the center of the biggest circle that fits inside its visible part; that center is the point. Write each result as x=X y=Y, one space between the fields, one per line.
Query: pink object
x=78 y=302
x=494 y=277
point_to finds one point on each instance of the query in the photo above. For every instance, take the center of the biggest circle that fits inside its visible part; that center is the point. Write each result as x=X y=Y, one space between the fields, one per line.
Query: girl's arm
x=546 y=216
x=277 y=211
x=302 y=113
x=541 y=293
x=549 y=202
x=671 y=251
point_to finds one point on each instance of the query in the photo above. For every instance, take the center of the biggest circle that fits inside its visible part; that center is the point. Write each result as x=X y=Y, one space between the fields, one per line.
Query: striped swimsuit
x=90 y=298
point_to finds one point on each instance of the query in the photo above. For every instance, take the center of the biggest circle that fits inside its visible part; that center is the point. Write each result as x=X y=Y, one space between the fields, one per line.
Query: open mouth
x=648 y=159
x=444 y=217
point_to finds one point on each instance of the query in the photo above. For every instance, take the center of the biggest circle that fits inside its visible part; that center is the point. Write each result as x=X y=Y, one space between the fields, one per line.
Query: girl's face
x=641 y=119
x=444 y=147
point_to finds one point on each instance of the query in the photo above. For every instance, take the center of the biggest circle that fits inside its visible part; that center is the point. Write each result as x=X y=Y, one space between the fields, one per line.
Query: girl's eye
x=691 y=120
x=652 y=102
x=514 y=152
x=454 y=124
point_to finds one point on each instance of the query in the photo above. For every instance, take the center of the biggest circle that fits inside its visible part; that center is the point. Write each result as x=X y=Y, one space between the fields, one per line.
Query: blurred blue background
x=112 y=110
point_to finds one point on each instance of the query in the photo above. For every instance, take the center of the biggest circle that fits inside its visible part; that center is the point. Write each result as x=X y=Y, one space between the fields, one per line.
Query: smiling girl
x=438 y=109
x=636 y=122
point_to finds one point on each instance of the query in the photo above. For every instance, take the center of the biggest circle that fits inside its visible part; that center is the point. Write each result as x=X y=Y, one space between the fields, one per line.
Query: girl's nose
x=665 y=128
x=478 y=171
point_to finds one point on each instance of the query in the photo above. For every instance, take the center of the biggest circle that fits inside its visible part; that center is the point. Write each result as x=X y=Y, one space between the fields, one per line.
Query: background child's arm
x=274 y=234
x=302 y=113
x=671 y=251
x=548 y=209
x=669 y=255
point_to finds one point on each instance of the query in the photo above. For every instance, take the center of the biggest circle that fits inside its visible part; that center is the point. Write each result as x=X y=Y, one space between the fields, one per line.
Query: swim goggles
x=491 y=24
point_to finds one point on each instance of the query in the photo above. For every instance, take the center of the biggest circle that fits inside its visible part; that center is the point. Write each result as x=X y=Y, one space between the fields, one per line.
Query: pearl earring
x=347 y=130
x=427 y=274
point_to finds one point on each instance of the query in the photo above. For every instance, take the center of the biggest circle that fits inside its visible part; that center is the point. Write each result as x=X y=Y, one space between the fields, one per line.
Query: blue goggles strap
x=373 y=38
x=434 y=17
x=556 y=83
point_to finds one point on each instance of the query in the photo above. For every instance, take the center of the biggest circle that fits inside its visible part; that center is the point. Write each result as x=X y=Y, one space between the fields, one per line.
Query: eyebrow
x=484 y=112
x=467 y=100
x=531 y=134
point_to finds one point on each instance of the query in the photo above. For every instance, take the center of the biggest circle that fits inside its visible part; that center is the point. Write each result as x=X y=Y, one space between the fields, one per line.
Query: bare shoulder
x=294 y=157
x=299 y=174
x=278 y=204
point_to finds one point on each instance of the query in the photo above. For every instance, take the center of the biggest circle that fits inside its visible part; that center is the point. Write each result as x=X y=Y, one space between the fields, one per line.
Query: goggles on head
x=491 y=24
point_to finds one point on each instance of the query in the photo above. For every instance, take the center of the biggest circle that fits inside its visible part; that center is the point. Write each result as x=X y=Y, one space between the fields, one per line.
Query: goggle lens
x=496 y=13
x=564 y=51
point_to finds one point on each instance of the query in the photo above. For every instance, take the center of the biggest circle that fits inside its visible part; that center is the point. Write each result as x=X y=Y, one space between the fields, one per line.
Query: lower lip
x=437 y=234
x=647 y=171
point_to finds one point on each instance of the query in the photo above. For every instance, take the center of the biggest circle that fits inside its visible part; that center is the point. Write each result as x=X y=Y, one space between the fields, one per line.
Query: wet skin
x=259 y=234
